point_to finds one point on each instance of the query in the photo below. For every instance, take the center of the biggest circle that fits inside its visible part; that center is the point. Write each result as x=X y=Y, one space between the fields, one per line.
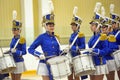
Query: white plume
x=112 y=8
x=97 y=7
x=51 y=7
x=75 y=10
x=14 y=14
x=102 y=11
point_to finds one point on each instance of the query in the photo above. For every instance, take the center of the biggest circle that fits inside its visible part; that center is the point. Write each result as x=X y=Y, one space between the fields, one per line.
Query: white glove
x=13 y=50
x=42 y=57
x=90 y=50
x=66 y=50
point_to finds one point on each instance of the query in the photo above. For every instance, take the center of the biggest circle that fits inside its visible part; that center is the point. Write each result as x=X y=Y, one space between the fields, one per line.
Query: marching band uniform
x=50 y=48
x=116 y=19
x=20 y=49
x=100 y=50
x=80 y=42
x=49 y=45
x=111 y=44
x=116 y=31
x=99 y=54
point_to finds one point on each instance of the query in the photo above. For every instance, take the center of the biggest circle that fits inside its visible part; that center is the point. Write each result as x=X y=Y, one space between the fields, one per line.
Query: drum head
x=81 y=56
x=57 y=59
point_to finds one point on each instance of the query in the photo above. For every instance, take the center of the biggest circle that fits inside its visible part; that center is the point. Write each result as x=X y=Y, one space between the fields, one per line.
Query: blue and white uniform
x=50 y=47
x=100 y=51
x=18 y=55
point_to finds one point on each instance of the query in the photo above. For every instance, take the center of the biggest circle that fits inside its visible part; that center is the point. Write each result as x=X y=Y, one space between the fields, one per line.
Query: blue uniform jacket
x=112 y=47
x=103 y=49
x=79 y=44
x=20 y=49
x=48 y=44
x=114 y=32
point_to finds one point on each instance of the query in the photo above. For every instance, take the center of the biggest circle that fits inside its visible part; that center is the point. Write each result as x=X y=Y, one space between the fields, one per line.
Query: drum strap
x=117 y=33
x=58 y=43
x=16 y=43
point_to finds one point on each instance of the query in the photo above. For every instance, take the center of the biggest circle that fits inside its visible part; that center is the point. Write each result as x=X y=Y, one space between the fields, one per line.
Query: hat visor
x=50 y=23
x=14 y=29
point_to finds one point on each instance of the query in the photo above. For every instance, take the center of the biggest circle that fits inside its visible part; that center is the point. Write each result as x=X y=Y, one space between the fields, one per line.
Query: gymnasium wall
x=63 y=10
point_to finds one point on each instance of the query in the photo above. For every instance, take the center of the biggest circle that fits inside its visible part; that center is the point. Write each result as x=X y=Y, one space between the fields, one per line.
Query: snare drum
x=7 y=64
x=116 y=55
x=59 y=67
x=83 y=65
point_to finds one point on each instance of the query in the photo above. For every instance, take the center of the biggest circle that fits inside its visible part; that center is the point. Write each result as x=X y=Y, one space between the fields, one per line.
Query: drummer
x=116 y=29
x=79 y=43
x=106 y=29
x=99 y=50
x=49 y=45
x=17 y=51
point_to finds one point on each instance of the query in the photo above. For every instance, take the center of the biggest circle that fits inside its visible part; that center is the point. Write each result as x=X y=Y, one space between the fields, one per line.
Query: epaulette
x=80 y=35
x=57 y=36
x=111 y=38
x=103 y=37
x=22 y=40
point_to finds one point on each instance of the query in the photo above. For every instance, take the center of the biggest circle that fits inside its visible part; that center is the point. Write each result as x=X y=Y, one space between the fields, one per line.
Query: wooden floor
x=31 y=75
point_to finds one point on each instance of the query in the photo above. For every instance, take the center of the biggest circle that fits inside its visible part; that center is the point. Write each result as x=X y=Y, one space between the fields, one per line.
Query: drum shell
x=59 y=67
x=7 y=64
x=83 y=65
x=116 y=55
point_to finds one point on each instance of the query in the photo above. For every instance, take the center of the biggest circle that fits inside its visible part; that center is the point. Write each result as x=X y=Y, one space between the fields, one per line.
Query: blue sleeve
x=34 y=45
x=113 y=47
x=23 y=51
x=81 y=43
x=103 y=50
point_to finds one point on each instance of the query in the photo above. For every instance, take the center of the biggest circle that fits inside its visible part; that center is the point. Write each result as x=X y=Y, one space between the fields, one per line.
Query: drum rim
x=117 y=51
x=80 y=56
x=48 y=61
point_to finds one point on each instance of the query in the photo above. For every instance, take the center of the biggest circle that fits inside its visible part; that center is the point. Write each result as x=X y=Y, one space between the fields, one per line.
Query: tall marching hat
x=76 y=20
x=107 y=21
x=16 y=25
x=97 y=18
x=49 y=17
x=113 y=15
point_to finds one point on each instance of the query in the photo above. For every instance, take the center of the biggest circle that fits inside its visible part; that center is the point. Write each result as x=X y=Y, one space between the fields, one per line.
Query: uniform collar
x=115 y=30
x=48 y=33
x=18 y=36
x=76 y=31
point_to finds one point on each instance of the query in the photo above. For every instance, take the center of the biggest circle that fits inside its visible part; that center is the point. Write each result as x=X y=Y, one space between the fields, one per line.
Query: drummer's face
x=104 y=29
x=115 y=25
x=74 y=27
x=16 y=32
x=50 y=27
x=93 y=27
